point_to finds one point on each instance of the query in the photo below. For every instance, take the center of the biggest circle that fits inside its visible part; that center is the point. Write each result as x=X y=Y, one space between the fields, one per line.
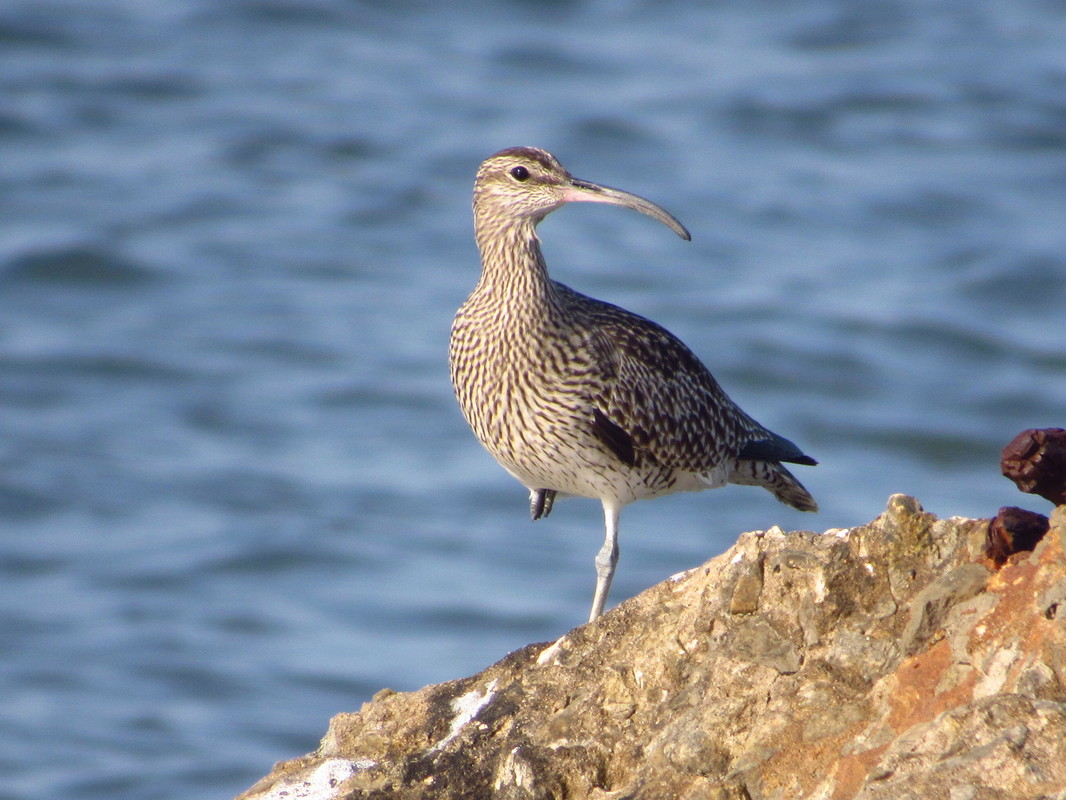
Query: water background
x=236 y=494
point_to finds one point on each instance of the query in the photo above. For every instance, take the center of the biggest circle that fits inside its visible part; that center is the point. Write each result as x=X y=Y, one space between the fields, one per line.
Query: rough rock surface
x=892 y=660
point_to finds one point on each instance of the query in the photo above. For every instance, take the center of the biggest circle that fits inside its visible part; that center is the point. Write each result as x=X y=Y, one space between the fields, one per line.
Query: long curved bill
x=585 y=192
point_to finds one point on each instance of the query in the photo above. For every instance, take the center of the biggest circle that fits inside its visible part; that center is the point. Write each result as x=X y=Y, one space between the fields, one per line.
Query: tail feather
x=776 y=479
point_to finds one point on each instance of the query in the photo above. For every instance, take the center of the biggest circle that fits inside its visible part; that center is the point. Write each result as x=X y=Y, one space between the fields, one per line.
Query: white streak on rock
x=466 y=708
x=550 y=654
x=680 y=576
x=321 y=783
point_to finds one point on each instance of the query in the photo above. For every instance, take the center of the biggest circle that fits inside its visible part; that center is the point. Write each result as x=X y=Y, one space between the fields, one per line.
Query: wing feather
x=659 y=393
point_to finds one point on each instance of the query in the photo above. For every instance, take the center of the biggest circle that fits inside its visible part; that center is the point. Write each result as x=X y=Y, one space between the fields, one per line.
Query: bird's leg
x=540 y=503
x=606 y=559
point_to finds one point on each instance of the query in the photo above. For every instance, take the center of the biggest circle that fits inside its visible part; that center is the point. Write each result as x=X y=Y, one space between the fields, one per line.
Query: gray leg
x=606 y=559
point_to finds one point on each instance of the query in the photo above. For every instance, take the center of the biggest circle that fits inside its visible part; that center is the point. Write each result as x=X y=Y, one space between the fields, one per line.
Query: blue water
x=236 y=495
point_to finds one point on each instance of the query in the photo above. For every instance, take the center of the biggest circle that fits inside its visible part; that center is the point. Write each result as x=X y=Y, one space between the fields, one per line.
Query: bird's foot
x=540 y=503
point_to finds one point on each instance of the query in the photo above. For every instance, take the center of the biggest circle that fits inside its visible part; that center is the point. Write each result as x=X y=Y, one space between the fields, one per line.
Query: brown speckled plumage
x=580 y=397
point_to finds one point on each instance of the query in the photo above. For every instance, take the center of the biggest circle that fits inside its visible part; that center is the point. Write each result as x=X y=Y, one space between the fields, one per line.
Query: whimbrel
x=574 y=396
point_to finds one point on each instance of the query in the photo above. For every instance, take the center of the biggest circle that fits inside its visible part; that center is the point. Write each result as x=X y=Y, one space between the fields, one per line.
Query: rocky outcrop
x=893 y=660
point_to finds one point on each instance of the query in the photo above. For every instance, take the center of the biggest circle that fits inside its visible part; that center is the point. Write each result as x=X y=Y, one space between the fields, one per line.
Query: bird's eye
x=519 y=173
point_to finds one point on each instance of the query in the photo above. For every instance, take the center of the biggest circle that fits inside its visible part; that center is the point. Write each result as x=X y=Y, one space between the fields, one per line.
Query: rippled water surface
x=236 y=494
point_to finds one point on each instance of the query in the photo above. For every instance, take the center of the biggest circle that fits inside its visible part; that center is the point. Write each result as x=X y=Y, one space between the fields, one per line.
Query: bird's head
x=526 y=184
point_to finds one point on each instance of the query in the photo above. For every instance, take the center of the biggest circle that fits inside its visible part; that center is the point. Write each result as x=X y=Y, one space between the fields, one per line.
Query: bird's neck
x=512 y=263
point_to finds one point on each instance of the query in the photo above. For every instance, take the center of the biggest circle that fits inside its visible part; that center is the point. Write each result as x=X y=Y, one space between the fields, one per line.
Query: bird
x=574 y=396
